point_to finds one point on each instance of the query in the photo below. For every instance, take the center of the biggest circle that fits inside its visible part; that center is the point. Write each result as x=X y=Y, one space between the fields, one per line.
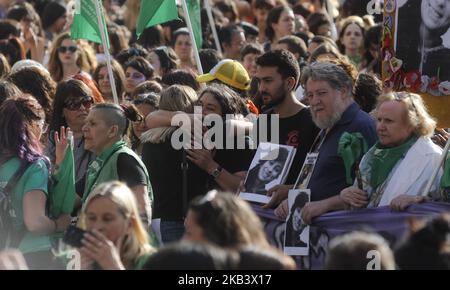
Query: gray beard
x=330 y=121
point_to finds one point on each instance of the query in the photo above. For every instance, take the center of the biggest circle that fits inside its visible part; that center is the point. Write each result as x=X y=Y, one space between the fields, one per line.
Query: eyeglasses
x=71 y=49
x=75 y=104
x=399 y=96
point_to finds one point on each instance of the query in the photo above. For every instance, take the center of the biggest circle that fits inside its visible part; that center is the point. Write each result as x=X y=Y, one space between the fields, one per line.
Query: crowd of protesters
x=146 y=204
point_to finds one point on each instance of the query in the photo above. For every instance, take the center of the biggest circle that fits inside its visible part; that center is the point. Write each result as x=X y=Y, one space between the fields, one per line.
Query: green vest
x=108 y=171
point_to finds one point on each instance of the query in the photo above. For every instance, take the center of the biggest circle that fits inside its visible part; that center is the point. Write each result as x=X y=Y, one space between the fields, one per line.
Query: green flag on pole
x=62 y=194
x=153 y=12
x=85 y=22
x=194 y=9
x=352 y=146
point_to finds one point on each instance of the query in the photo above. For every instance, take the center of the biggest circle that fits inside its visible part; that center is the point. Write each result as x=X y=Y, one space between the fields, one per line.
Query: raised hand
x=61 y=140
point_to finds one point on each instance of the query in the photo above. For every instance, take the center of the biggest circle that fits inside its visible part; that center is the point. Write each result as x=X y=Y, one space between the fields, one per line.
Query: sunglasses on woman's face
x=75 y=104
x=71 y=49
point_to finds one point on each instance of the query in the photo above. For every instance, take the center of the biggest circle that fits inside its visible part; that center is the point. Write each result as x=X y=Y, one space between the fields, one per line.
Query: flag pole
x=436 y=170
x=213 y=26
x=102 y=26
x=191 y=33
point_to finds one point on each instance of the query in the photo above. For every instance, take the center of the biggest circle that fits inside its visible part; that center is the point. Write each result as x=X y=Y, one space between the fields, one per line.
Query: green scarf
x=384 y=159
x=352 y=147
x=96 y=166
x=445 y=180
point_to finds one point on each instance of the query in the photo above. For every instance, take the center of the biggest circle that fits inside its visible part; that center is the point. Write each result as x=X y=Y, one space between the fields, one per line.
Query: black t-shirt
x=298 y=131
x=233 y=160
x=163 y=164
x=130 y=171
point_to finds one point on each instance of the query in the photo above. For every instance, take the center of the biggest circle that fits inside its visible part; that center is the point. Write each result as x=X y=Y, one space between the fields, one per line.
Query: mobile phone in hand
x=73 y=236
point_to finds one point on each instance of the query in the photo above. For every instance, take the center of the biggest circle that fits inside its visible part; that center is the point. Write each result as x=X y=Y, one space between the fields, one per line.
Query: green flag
x=194 y=9
x=63 y=190
x=153 y=12
x=85 y=24
x=351 y=148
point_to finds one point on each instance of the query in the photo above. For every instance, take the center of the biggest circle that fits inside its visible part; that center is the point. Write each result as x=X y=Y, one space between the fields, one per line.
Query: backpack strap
x=12 y=237
x=16 y=176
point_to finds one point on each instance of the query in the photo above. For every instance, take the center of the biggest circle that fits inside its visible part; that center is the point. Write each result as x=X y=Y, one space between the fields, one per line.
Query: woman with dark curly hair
x=38 y=83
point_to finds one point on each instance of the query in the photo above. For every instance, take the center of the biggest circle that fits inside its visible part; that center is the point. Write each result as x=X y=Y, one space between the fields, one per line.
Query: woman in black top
x=163 y=162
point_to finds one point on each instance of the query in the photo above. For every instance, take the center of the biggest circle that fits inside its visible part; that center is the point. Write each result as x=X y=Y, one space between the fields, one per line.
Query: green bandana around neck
x=384 y=159
x=96 y=166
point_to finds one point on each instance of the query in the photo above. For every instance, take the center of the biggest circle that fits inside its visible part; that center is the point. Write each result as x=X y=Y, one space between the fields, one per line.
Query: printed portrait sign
x=296 y=241
x=306 y=172
x=269 y=167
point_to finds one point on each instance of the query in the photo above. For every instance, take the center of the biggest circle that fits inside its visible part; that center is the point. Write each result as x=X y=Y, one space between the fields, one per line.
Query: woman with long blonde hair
x=116 y=238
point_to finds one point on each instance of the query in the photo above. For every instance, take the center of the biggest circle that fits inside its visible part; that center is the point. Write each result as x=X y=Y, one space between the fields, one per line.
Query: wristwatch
x=216 y=172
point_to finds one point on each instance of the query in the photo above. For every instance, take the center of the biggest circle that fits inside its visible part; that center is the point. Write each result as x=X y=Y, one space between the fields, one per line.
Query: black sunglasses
x=71 y=49
x=75 y=104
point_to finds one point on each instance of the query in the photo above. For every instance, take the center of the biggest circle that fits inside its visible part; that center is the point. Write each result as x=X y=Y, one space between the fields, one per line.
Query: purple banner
x=391 y=225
